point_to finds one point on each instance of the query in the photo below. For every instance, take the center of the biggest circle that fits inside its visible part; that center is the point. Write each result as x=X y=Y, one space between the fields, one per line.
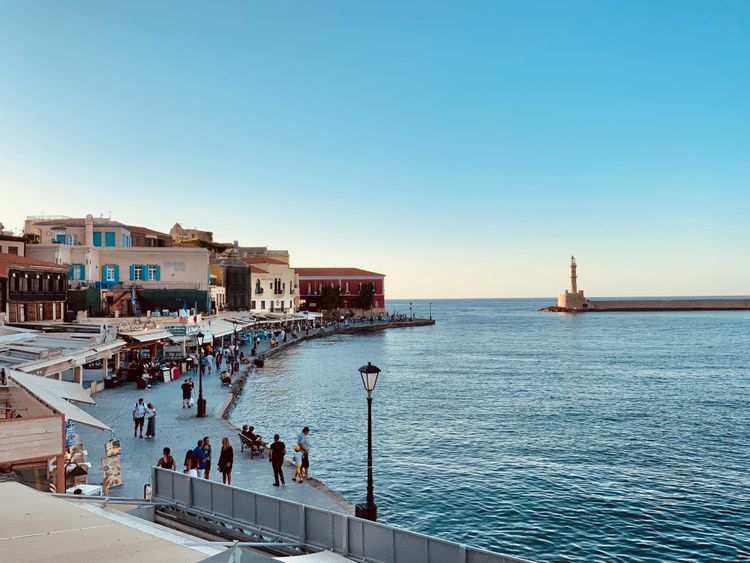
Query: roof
x=8 y=261
x=146 y=231
x=257 y=270
x=78 y=222
x=262 y=260
x=335 y=272
x=40 y=527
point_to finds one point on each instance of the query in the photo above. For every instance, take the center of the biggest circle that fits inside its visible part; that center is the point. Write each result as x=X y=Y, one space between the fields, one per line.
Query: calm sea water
x=598 y=437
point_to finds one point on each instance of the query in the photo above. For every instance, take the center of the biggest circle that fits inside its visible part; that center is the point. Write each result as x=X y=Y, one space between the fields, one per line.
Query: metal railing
x=313 y=527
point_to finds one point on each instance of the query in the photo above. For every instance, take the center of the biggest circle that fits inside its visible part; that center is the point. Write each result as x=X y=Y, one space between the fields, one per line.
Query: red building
x=313 y=280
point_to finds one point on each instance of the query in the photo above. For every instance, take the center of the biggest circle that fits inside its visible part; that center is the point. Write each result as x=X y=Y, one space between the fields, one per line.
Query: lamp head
x=200 y=337
x=369 y=375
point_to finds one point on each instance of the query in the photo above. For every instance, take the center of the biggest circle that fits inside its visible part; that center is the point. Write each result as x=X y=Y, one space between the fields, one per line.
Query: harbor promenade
x=179 y=429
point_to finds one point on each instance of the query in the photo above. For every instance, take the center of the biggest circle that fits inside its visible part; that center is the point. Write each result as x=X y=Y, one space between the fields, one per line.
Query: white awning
x=71 y=391
x=48 y=394
x=147 y=335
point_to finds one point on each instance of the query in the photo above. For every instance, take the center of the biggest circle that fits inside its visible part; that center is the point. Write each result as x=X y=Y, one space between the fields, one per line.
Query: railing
x=313 y=527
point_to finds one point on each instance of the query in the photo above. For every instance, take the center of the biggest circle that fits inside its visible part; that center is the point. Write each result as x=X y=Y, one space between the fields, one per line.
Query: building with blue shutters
x=113 y=262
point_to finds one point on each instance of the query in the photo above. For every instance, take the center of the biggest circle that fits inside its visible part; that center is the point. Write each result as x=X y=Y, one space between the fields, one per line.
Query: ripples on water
x=599 y=436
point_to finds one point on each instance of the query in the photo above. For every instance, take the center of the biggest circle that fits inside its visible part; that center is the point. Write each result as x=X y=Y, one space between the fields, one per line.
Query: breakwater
x=625 y=305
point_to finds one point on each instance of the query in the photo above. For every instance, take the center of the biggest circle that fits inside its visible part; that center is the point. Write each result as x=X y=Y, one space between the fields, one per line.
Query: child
x=297 y=458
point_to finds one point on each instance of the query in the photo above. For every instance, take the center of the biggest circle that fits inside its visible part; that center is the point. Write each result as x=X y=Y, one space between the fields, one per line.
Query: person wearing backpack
x=139 y=414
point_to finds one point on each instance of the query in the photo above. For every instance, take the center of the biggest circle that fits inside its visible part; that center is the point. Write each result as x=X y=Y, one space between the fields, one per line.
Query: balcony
x=36 y=296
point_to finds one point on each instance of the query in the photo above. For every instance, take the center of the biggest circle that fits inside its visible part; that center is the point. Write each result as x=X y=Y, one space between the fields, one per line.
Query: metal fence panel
x=291 y=520
x=411 y=547
x=244 y=506
x=268 y=513
x=222 y=501
x=202 y=489
x=356 y=537
x=318 y=527
x=378 y=542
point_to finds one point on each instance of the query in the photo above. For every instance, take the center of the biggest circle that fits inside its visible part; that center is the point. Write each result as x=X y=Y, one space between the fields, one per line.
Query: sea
x=548 y=436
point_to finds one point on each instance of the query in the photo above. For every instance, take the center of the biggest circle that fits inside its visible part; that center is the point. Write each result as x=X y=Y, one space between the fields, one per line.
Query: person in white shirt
x=139 y=414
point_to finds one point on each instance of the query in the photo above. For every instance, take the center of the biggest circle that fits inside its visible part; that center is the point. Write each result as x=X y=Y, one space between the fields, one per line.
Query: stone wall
x=670 y=305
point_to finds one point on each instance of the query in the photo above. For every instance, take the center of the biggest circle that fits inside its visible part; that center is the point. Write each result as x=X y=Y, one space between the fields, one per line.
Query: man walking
x=276 y=454
x=139 y=414
x=304 y=444
x=186 y=391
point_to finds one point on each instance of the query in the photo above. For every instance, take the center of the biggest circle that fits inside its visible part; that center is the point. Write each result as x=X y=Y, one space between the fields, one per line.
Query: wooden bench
x=253 y=448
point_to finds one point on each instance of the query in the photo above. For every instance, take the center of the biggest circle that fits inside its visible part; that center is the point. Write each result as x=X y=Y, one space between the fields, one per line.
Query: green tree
x=330 y=298
x=366 y=295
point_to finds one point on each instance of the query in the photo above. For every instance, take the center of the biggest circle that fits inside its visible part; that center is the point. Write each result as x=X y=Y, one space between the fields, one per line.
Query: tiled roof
x=262 y=260
x=78 y=222
x=8 y=261
x=256 y=270
x=146 y=231
x=335 y=272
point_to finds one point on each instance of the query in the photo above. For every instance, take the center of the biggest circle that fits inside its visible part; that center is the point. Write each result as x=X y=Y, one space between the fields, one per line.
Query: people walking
x=200 y=455
x=276 y=454
x=226 y=460
x=150 y=421
x=206 y=450
x=304 y=444
x=139 y=413
x=186 y=391
x=166 y=460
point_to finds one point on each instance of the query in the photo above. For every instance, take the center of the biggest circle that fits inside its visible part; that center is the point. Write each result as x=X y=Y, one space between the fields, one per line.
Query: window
x=60 y=238
x=152 y=272
x=109 y=238
x=72 y=240
x=252 y=304
x=137 y=273
x=262 y=305
x=270 y=285
x=125 y=240
x=97 y=238
x=109 y=273
x=13 y=250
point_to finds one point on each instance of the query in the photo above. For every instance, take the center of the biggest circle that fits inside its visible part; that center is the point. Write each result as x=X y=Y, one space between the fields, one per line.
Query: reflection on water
x=548 y=436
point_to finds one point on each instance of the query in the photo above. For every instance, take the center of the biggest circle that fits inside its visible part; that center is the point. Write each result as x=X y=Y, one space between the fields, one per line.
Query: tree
x=366 y=295
x=330 y=298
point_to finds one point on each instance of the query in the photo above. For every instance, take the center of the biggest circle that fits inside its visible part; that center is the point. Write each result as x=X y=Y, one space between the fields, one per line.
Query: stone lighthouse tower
x=571 y=298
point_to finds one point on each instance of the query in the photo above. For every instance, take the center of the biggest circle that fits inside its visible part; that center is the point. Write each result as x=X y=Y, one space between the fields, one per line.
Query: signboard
x=177 y=330
x=70 y=433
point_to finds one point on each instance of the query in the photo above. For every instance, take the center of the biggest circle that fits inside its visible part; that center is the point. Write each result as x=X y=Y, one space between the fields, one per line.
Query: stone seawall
x=626 y=305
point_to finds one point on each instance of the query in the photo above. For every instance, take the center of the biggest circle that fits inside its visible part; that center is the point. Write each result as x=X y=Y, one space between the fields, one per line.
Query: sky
x=464 y=149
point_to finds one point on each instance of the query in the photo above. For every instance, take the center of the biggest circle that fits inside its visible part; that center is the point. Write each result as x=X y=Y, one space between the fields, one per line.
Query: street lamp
x=368 y=510
x=411 y=314
x=234 y=341
x=201 y=401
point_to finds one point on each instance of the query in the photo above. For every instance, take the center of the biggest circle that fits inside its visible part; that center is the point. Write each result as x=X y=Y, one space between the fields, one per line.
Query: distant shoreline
x=655 y=305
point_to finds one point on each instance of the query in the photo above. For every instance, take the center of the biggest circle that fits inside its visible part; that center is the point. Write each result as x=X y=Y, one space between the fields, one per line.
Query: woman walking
x=150 y=421
x=226 y=459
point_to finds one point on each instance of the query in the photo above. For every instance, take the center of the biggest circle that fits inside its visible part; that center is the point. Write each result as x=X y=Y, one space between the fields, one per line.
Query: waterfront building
x=273 y=284
x=31 y=290
x=112 y=274
x=572 y=298
x=312 y=281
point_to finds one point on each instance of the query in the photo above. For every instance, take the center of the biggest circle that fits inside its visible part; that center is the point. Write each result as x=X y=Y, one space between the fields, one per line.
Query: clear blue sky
x=462 y=148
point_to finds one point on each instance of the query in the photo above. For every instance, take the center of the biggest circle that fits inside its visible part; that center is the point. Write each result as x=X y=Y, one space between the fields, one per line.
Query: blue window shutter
x=97 y=238
x=109 y=238
x=103 y=269
x=71 y=272
x=158 y=272
x=132 y=272
x=144 y=272
x=82 y=270
x=117 y=273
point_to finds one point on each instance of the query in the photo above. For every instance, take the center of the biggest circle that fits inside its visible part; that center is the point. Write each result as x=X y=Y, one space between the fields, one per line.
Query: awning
x=147 y=335
x=48 y=394
x=71 y=391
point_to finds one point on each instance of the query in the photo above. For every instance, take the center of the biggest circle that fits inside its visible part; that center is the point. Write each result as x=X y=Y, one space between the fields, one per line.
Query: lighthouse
x=572 y=299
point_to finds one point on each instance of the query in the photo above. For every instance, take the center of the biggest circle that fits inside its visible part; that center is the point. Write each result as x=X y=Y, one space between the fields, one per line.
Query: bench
x=247 y=444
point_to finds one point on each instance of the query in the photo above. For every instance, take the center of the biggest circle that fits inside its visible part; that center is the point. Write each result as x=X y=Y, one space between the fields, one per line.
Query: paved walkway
x=179 y=429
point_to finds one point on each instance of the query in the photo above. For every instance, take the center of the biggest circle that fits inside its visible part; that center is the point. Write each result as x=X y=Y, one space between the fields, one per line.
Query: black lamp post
x=368 y=510
x=201 y=401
